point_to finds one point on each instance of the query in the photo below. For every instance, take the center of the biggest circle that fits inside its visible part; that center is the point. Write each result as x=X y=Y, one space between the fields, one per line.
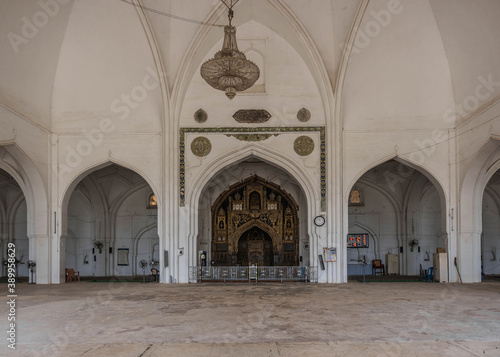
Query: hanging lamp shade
x=230 y=70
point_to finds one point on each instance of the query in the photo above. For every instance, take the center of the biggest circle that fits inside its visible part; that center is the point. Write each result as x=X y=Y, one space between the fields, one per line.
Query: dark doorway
x=255 y=247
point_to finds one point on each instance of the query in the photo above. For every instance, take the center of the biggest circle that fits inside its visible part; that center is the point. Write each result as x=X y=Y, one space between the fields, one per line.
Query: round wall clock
x=319 y=221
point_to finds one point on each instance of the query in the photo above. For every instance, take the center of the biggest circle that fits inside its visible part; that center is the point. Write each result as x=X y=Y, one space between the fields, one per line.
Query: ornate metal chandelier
x=230 y=70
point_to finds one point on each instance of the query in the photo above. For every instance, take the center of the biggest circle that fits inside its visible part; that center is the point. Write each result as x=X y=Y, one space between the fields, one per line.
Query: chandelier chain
x=230 y=7
x=173 y=16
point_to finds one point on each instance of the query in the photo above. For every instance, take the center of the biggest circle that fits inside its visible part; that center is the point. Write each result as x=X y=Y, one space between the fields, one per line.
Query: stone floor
x=265 y=319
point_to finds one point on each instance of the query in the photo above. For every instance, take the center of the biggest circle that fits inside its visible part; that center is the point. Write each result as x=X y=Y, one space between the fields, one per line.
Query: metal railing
x=253 y=273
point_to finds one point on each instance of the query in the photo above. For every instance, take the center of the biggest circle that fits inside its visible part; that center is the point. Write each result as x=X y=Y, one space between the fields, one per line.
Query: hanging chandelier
x=230 y=70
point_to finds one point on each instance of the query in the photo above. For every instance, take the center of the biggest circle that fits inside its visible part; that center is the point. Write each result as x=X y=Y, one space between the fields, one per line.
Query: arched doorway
x=255 y=247
x=490 y=237
x=400 y=210
x=13 y=223
x=255 y=216
x=111 y=224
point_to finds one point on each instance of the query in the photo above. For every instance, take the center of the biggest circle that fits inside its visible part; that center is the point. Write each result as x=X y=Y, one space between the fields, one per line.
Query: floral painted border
x=270 y=130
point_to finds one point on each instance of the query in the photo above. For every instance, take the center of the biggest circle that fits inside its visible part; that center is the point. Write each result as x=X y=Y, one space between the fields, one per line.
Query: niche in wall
x=122 y=257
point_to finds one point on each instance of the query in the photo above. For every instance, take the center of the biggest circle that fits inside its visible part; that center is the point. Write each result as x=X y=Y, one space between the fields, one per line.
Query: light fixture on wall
x=413 y=243
x=99 y=246
x=152 y=202
x=230 y=70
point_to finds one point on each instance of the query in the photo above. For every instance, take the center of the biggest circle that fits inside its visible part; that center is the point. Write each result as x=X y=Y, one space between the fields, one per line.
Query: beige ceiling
x=83 y=54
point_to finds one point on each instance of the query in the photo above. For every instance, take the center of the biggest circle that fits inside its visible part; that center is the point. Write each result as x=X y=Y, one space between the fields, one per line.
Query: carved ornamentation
x=252 y=137
x=303 y=145
x=252 y=116
x=303 y=115
x=201 y=146
x=200 y=116
x=261 y=228
x=274 y=130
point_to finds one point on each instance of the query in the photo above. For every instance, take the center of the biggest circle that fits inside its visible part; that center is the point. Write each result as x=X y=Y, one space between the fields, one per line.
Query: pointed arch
x=280 y=19
x=402 y=171
x=267 y=155
x=19 y=165
x=84 y=172
x=480 y=170
x=423 y=170
x=64 y=201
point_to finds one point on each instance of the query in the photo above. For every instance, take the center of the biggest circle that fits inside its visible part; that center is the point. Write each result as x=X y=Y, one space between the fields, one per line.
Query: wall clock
x=319 y=221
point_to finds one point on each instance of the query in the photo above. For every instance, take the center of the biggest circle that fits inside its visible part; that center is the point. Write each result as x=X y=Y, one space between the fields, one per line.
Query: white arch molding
x=58 y=272
x=482 y=167
x=193 y=193
x=15 y=161
x=444 y=200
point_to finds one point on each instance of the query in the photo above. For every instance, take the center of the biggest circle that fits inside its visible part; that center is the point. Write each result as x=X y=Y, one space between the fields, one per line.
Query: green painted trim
x=271 y=130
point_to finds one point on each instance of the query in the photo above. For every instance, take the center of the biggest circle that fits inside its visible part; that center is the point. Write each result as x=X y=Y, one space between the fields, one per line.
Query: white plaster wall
x=290 y=87
x=377 y=217
x=136 y=229
x=81 y=233
x=473 y=58
x=474 y=135
x=88 y=89
x=30 y=37
x=137 y=152
x=398 y=75
x=429 y=230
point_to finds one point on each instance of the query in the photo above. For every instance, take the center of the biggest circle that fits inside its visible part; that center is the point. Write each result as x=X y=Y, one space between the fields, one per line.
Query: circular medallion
x=303 y=145
x=303 y=115
x=319 y=221
x=201 y=146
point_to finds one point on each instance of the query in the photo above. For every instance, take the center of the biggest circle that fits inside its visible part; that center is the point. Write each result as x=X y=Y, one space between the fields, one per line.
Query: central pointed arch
x=310 y=192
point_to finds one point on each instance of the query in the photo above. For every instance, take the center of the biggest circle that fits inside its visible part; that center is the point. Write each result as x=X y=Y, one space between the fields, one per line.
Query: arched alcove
x=255 y=205
x=13 y=224
x=404 y=209
x=29 y=211
x=473 y=197
x=490 y=237
x=107 y=219
x=235 y=186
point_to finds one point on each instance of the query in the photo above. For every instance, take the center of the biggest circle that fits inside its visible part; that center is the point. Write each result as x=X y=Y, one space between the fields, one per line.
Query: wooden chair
x=71 y=275
x=377 y=267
